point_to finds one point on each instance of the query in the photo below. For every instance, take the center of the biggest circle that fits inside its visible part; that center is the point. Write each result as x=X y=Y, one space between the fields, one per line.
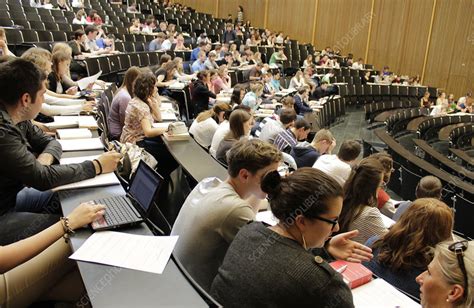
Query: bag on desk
x=131 y=156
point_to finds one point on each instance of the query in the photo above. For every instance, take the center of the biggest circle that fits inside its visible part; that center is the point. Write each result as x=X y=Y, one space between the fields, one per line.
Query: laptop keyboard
x=118 y=210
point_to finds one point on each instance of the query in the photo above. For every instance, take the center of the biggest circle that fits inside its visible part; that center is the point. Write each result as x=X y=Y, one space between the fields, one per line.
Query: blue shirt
x=194 y=53
x=198 y=66
x=250 y=99
x=154 y=45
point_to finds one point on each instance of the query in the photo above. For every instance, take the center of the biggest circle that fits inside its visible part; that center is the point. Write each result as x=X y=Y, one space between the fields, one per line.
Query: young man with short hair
x=339 y=166
x=214 y=211
x=305 y=154
x=289 y=138
x=29 y=157
x=273 y=127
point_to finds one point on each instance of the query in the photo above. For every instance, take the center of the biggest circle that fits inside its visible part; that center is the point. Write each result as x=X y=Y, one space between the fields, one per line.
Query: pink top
x=220 y=84
x=136 y=111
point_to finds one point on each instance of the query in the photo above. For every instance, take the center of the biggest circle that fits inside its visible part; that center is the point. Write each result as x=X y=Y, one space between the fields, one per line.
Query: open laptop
x=131 y=209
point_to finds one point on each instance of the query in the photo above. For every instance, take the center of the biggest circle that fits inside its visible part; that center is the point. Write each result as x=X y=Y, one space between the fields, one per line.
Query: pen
x=341 y=269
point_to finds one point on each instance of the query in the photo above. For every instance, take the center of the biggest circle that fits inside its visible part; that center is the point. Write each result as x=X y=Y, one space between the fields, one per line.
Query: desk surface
x=463 y=156
x=194 y=159
x=110 y=286
x=445 y=131
x=413 y=124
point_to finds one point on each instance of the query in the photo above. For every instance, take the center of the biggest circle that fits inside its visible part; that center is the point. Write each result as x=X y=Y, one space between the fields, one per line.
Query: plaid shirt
x=285 y=140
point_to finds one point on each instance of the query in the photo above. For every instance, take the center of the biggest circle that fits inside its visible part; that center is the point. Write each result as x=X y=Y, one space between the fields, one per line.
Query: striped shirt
x=285 y=141
x=369 y=223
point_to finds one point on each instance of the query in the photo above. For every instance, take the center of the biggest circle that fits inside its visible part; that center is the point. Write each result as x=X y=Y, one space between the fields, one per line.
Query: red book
x=354 y=274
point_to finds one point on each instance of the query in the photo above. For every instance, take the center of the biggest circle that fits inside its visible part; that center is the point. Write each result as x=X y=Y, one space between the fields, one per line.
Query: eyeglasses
x=334 y=222
x=458 y=248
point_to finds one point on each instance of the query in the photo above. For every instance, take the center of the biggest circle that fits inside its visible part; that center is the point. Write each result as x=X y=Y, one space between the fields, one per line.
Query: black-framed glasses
x=333 y=222
x=458 y=248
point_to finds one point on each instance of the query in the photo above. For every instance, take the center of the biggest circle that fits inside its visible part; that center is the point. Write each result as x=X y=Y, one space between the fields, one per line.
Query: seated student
x=449 y=278
x=94 y=18
x=255 y=73
x=425 y=100
x=240 y=123
x=358 y=65
x=165 y=77
x=210 y=62
x=107 y=42
x=297 y=81
x=199 y=65
x=252 y=98
x=359 y=211
x=273 y=127
x=428 y=187
x=156 y=43
x=222 y=80
x=301 y=101
x=206 y=123
x=270 y=266
x=339 y=166
x=268 y=89
x=214 y=211
x=288 y=138
x=195 y=52
x=201 y=93
x=306 y=154
x=275 y=80
x=403 y=253
x=135 y=28
x=179 y=73
x=61 y=62
x=38 y=267
x=384 y=202
x=116 y=117
x=32 y=156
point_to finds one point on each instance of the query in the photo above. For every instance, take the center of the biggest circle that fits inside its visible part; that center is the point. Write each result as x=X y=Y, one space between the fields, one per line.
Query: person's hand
x=3 y=44
x=84 y=214
x=71 y=91
x=89 y=86
x=108 y=161
x=342 y=247
x=88 y=106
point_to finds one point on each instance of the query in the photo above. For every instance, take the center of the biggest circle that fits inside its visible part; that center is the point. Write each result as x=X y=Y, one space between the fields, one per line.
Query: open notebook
x=81 y=144
x=379 y=294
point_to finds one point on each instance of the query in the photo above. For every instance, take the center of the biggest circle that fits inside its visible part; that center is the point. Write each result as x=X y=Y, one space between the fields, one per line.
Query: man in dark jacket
x=306 y=154
x=28 y=170
x=229 y=35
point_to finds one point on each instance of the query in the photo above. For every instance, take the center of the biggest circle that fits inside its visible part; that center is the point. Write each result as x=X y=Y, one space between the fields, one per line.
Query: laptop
x=131 y=209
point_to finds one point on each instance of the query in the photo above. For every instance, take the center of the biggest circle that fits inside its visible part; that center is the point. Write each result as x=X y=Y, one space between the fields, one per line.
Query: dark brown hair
x=144 y=86
x=129 y=78
x=236 y=124
x=360 y=190
x=349 y=150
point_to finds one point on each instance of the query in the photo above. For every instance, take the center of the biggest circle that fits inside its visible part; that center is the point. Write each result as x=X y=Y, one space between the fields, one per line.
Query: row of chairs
x=461 y=137
x=428 y=129
x=398 y=122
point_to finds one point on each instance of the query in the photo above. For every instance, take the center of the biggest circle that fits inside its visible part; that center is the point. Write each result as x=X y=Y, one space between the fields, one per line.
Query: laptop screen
x=145 y=185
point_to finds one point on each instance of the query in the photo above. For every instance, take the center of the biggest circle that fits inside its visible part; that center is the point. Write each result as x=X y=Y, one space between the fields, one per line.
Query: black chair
x=37 y=25
x=153 y=58
x=14 y=36
x=6 y=22
x=21 y=15
x=45 y=36
x=124 y=62
x=65 y=27
x=114 y=62
x=29 y=35
x=59 y=36
x=144 y=60
x=92 y=66
x=104 y=65
x=139 y=46
x=134 y=59
x=47 y=18
x=129 y=46
x=51 y=25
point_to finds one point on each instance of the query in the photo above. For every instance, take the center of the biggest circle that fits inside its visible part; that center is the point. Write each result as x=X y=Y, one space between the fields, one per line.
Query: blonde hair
x=62 y=47
x=213 y=112
x=322 y=134
x=38 y=56
x=256 y=88
x=452 y=273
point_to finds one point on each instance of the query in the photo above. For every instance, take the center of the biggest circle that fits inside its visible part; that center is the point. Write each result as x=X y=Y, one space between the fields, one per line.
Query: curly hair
x=425 y=223
x=144 y=86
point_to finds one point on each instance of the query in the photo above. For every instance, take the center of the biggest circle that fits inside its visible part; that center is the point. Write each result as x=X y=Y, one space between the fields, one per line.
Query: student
x=165 y=76
x=360 y=203
x=308 y=61
x=195 y=52
x=297 y=81
x=116 y=117
x=270 y=266
x=403 y=252
x=449 y=278
x=214 y=211
x=199 y=64
x=240 y=123
x=428 y=187
x=339 y=166
x=32 y=156
x=237 y=96
x=207 y=122
x=155 y=44
x=222 y=81
x=38 y=266
x=94 y=18
x=201 y=93
x=80 y=18
x=4 y=51
x=384 y=202
x=252 y=98
x=306 y=154
x=301 y=101
x=273 y=127
x=287 y=139
x=56 y=83
x=425 y=100
x=210 y=62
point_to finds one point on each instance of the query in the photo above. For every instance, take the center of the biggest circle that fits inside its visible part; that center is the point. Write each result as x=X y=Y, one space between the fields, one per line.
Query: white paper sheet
x=161 y=125
x=106 y=179
x=84 y=82
x=76 y=160
x=266 y=217
x=138 y=252
x=380 y=294
x=81 y=144
x=74 y=133
x=387 y=221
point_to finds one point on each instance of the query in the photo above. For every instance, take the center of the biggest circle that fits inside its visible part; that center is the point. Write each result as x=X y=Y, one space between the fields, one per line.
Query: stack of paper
x=379 y=294
x=168 y=115
x=138 y=252
x=267 y=217
x=74 y=133
x=177 y=137
x=81 y=144
x=87 y=122
x=161 y=125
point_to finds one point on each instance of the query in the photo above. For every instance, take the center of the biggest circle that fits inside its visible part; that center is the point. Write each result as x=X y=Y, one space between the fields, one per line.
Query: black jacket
x=304 y=155
x=201 y=95
x=19 y=147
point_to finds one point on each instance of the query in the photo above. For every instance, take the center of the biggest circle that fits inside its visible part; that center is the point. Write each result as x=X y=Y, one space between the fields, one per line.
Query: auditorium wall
x=432 y=38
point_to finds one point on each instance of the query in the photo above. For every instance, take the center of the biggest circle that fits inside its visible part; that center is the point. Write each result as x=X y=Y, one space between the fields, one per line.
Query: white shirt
x=334 y=167
x=357 y=66
x=219 y=135
x=166 y=45
x=270 y=130
x=203 y=131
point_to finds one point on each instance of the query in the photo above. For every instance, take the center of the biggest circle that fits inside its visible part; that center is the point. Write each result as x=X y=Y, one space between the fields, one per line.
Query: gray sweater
x=263 y=269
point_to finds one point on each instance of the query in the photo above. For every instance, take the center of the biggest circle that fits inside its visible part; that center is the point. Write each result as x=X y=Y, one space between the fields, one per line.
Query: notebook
x=74 y=133
x=81 y=144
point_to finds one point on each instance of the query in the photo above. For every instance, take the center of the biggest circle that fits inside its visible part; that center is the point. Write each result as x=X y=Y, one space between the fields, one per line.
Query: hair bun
x=271 y=183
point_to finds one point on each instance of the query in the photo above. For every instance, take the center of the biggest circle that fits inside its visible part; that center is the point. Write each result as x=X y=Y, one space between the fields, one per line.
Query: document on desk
x=81 y=144
x=138 y=252
x=105 y=179
x=380 y=294
x=74 y=133
x=84 y=82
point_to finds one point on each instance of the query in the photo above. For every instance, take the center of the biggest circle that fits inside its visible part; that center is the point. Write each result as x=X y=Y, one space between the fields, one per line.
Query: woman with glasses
x=405 y=251
x=360 y=210
x=449 y=279
x=274 y=266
